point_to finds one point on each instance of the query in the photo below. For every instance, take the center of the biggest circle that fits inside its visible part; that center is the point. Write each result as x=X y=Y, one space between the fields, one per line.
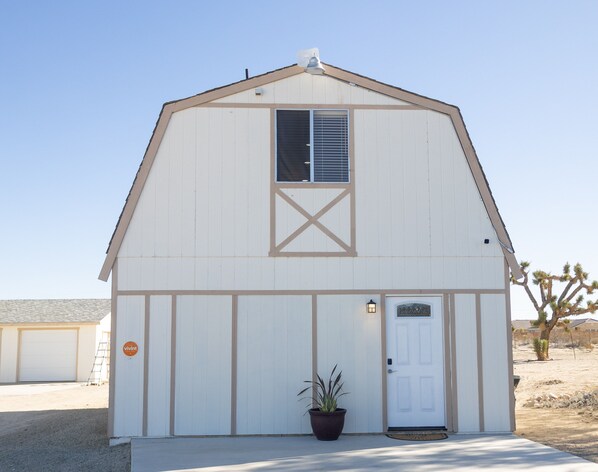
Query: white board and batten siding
x=274 y=358
x=350 y=338
x=203 y=218
x=202 y=223
x=128 y=374
x=159 y=353
x=496 y=374
x=203 y=365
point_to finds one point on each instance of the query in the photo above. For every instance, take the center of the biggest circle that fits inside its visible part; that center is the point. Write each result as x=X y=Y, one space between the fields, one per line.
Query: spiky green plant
x=541 y=349
x=325 y=394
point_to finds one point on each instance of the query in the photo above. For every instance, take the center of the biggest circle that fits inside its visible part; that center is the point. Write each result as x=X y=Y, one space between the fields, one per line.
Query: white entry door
x=415 y=362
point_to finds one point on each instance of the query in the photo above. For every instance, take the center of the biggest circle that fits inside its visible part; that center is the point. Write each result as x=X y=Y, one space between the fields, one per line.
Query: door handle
x=390 y=371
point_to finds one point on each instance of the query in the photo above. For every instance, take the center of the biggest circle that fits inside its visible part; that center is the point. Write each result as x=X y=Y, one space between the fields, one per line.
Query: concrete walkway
x=354 y=453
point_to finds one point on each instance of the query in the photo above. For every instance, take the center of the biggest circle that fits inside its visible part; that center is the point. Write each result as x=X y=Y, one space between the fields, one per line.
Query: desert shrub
x=541 y=349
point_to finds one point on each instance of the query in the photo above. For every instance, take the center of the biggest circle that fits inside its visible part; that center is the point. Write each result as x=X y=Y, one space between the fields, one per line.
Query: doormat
x=418 y=436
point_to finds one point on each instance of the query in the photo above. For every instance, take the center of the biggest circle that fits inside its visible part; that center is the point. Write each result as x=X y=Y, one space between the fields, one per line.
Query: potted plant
x=327 y=420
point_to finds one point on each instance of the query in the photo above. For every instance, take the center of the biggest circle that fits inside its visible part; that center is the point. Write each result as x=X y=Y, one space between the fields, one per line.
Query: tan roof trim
x=466 y=144
x=331 y=71
x=152 y=149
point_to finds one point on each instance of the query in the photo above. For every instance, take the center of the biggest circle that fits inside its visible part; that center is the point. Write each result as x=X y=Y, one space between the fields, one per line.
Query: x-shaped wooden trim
x=313 y=219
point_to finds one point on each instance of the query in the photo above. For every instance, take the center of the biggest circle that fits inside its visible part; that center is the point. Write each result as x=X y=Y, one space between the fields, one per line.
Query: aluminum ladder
x=102 y=354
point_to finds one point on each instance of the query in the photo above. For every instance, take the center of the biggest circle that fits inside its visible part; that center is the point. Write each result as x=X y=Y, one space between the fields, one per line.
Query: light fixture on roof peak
x=309 y=59
x=314 y=66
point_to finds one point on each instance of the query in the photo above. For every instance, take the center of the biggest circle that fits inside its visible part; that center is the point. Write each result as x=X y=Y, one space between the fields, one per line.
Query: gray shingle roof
x=53 y=311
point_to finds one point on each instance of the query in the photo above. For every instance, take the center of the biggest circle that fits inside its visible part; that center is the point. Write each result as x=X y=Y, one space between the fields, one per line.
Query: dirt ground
x=57 y=428
x=63 y=427
x=546 y=385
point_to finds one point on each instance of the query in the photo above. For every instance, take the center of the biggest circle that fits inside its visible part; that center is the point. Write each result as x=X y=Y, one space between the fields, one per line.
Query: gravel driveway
x=57 y=427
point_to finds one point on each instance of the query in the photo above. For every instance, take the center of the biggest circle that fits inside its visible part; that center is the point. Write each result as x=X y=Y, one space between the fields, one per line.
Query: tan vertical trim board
x=233 y=370
x=314 y=343
x=272 y=181
x=450 y=301
x=384 y=366
x=478 y=317
x=146 y=328
x=352 y=181
x=446 y=367
x=172 y=363
x=509 y=349
x=112 y=372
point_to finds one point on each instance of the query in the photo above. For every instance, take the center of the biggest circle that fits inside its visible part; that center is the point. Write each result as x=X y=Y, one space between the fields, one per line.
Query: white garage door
x=48 y=355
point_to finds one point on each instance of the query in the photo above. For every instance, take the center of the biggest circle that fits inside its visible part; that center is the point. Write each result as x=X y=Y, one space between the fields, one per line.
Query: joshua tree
x=568 y=303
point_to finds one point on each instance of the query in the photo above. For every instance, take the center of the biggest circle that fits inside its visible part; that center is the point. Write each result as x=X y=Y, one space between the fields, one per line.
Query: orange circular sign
x=130 y=348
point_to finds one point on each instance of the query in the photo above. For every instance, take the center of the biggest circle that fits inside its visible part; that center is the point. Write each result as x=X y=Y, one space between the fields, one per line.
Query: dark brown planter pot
x=327 y=426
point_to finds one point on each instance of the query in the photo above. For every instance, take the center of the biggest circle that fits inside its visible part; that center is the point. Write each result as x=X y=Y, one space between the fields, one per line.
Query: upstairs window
x=312 y=146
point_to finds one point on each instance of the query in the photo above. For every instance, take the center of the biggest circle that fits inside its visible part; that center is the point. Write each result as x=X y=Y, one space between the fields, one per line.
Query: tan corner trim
x=314 y=106
x=478 y=317
x=146 y=340
x=352 y=179
x=449 y=300
x=509 y=350
x=365 y=291
x=173 y=338
x=384 y=352
x=234 y=364
x=272 y=181
x=313 y=220
x=111 y=373
x=314 y=344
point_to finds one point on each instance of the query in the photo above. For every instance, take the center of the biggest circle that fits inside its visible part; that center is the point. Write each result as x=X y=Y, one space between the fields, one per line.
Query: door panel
x=416 y=396
x=48 y=355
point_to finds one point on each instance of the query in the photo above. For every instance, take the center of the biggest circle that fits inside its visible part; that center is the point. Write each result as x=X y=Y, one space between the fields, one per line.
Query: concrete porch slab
x=355 y=453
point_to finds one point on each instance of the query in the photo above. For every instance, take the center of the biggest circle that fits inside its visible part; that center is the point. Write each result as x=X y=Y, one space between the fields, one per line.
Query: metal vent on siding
x=331 y=146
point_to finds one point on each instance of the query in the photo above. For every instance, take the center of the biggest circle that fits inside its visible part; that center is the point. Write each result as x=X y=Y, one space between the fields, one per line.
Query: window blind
x=331 y=146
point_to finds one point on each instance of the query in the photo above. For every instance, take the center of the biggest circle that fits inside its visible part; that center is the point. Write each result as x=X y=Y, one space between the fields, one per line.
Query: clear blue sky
x=82 y=84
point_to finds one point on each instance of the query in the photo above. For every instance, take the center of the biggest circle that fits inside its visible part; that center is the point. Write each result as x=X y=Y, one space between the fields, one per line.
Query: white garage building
x=51 y=340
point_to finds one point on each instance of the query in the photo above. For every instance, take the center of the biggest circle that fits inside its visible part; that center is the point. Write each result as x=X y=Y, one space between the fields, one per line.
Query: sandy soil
x=573 y=430
x=57 y=428
x=63 y=427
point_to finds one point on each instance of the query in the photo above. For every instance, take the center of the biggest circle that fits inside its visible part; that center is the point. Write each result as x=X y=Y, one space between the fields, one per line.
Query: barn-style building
x=264 y=217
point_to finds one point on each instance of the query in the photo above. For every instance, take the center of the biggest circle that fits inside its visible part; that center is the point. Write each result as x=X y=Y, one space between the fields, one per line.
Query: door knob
x=390 y=371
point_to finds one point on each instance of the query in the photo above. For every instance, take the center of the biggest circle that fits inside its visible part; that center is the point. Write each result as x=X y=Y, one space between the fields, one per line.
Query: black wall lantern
x=371 y=306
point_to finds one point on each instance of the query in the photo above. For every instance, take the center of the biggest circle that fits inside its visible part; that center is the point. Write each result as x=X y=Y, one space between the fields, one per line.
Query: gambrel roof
x=416 y=100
